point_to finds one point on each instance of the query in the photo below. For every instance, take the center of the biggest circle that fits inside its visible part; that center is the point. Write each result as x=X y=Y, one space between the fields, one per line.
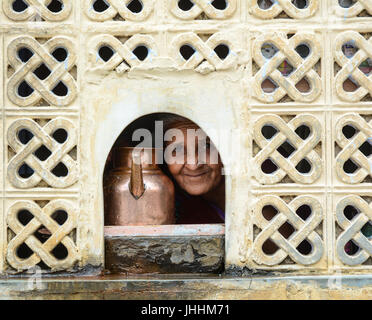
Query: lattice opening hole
x=60 y=89
x=350 y=212
x=269 y=85
x=366 y=148
x=42 y=234
x=60 y=135
x=141 y=52
x=366 y=66
x=304 y=212
x=286 y=149
x=73 y=153
x=351 y=248
x=25 y=171
x=346 y=3
x=303 y=85
x=24 y=54
x=135 y=6
x=10 y=71
x=24 y=217
x=24 y=136
x=349 y=49
x=349 y=131
x=60 y=252
x=43 y=266
x=350 y=166
x=269 y=247
x=305 y=247
x=24 y=89
x=269 y=212
x=100 y=5
x=105 y=53
x=24 y=251
x=185 y=5
x=42 y=40
x=60 y=170
x=304 y=166
x=60 y=216
x=60 y=54
x=43 y=153
x=222 y=51
x=55 y=6
x=285 y=68
x=269 y=166
x=367 y=230
x=42 y=71
x=187 y=51
x=19 y=5
x=350 y=85
x=286 y=230
x=220 y=4
x=303 y=132
x=301 y=4
x=41 y=121
x=269 y=131
x=303 y=50
x=269 y=50
x=41 y=203
x=267 y=4
x=11 y=152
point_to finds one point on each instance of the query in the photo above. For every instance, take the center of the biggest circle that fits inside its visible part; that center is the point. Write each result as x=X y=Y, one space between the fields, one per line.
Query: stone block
x=164 y=254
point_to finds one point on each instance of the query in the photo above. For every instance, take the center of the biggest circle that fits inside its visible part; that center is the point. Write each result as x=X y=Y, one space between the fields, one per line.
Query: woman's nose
x=193 y=166
x=192 y=163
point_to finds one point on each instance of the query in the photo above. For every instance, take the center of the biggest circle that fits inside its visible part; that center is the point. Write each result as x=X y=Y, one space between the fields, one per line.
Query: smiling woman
x=166 y=214
x=196 y=168
x=191 y=164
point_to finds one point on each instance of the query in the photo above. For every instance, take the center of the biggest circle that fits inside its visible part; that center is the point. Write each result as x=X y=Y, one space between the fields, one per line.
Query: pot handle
x=136 y=185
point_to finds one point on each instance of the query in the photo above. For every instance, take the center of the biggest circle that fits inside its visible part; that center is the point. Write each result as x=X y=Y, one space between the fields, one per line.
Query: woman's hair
x=172 y=121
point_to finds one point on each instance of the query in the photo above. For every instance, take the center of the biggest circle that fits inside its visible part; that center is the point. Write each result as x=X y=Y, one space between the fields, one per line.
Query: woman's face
x=203 y=173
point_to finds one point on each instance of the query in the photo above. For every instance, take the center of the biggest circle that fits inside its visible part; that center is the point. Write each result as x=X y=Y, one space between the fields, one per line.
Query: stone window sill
x=165 y=249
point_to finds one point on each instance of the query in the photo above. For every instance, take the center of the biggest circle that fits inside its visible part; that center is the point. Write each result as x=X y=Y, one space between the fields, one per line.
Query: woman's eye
x=177 y=150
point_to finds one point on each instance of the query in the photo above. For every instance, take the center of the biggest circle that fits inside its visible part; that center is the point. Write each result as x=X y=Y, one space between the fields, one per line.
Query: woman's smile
x=196 y=174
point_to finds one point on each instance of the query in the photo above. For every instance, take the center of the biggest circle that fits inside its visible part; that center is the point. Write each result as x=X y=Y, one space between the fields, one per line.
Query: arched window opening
x=163 y=181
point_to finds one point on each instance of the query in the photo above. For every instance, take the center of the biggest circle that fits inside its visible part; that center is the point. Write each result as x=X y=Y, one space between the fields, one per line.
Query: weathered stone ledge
x=190 y=287
x=176 y=249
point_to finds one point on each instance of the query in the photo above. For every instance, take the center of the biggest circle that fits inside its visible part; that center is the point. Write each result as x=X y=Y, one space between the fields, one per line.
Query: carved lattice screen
x=292 y=76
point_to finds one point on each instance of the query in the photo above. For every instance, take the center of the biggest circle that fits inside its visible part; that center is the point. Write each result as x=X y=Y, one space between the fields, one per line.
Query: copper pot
x=136 y=191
